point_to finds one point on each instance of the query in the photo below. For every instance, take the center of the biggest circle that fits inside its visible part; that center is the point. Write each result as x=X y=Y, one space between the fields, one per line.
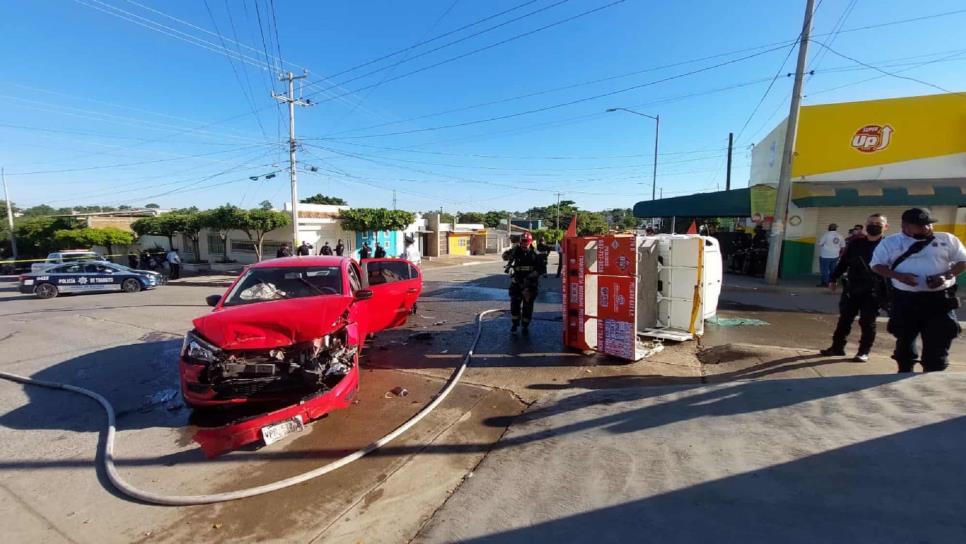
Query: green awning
x=734 y=203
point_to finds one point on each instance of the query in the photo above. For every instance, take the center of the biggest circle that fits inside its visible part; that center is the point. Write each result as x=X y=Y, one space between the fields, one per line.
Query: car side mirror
x=213 y=300
x=363 y=294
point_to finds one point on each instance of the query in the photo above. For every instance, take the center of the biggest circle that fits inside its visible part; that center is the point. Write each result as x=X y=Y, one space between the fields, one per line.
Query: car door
x=65 y=277
x=100 y=277
x=395 y=286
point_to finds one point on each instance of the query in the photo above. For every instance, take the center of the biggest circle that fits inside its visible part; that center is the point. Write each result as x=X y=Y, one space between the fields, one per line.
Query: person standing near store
x=326 y=249
x=339 y=248
x=922 y=266
x=861 y=290
x=829 y=246
x=174 y=263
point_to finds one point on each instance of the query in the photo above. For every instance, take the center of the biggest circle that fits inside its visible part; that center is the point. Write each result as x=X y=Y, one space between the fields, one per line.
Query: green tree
x=222 y=220
x=167 y=225
x=471 y=217
x=108 y=237
x=375 y=219
x=152 y=205
x=590 y=223
x=265 y=205
x=319 y=198
x=35 y=235
x=550 y=236
x=492 y=219
x=622 y=218
x=41 y=209
x=123 y=207
x=257 y=223
x=3 y=210
x=193 y=223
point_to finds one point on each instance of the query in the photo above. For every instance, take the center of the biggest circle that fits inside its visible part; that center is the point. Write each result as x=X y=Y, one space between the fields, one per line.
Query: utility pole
x=393 y=199
x=777 y=235
x=657 y=132
x=558 y=211
x=731 y=143
x=6 y=197
x=292 y=102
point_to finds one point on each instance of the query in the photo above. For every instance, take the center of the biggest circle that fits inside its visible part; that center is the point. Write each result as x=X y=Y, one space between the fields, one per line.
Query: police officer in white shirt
x=923 y=266
x=830 y=247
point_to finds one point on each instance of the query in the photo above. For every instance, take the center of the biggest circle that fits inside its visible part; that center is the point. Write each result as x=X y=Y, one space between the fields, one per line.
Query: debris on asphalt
x=438 y=323
x=216 y=526
x=735 y=321
x=421 y=336
x=398 y=391
x=445 y=351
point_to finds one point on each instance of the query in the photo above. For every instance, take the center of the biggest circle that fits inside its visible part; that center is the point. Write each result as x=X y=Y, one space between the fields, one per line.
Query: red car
x=288 y=332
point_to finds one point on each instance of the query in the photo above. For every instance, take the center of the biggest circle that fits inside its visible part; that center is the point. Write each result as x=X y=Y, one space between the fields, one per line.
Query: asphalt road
x=125 y=346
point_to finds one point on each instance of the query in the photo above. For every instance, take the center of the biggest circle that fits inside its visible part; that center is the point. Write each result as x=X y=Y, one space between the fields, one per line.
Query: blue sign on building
x=385 y=238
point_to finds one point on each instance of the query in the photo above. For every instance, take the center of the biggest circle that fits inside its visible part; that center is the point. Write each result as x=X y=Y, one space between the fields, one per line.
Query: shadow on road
x=879 y=490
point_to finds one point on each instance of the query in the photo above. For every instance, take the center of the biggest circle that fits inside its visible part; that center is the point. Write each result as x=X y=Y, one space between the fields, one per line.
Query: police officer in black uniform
x=525 y=280
x=861 y=291
x=923 y=266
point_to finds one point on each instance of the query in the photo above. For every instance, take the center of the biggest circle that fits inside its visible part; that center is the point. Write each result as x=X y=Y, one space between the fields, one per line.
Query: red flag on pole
x=693 y=229
x=572 y=229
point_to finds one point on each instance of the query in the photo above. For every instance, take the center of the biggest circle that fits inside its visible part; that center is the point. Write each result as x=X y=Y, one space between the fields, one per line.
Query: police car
x=87 y=277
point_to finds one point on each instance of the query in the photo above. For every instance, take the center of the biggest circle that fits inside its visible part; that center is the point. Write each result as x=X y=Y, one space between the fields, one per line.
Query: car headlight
x=197 y=350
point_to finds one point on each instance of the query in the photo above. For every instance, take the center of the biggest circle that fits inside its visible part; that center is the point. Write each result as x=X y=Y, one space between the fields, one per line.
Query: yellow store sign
x=859 y=135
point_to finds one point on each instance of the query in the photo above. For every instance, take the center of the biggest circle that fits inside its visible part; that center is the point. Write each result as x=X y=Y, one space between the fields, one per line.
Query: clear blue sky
x=105 y=110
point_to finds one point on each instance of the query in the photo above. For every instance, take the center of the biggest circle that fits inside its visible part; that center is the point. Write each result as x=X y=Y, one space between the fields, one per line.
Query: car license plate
x=277 y=431
x=28 y=282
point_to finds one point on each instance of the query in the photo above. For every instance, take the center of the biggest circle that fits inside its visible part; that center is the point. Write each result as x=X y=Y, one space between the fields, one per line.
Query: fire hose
x=187 y=500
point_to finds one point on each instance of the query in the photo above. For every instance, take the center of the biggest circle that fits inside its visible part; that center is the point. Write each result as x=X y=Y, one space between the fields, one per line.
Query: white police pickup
x=87 y=277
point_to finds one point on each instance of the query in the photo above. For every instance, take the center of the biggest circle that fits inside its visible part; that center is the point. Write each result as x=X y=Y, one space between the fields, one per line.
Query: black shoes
x=832 y=352
x=861 y=358
x=513 y=328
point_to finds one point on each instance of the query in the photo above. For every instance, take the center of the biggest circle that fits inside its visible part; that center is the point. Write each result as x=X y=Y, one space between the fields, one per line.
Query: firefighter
x=524 y=264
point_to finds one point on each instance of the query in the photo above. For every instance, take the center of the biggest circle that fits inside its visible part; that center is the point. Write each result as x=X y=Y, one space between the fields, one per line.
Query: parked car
x=292 y=328
x=66 y=256
x=87 y=277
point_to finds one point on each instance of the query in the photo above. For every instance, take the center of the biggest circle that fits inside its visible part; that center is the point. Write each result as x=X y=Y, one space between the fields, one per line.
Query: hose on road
x=187 y=500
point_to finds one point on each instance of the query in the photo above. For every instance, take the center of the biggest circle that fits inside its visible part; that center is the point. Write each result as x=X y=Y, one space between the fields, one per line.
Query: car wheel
x=131 y=285
x=45 y=290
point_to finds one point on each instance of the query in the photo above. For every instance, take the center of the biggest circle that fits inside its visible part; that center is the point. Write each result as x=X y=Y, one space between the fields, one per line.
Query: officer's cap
x=917 y=216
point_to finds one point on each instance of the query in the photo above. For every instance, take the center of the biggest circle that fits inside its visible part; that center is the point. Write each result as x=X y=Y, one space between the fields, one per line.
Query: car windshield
x=261 y=284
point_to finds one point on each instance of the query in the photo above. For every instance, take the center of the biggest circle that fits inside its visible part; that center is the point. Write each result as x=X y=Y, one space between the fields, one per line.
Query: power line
x=169 y=31
x=248 y=98
x=909 y=68
x=121 y=165
x=562 y=104
x=473 y=52
x=836 y=28
x=885 y=72
x=206 y=31
x=449 y=44
x=430 y=40
x=406 y=58
x=533 y=157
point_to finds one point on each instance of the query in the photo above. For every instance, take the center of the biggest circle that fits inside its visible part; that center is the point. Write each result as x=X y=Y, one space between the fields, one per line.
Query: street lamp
x=657 y=130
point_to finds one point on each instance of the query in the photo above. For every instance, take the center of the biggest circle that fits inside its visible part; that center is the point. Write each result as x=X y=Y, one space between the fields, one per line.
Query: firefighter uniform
x=524 y=283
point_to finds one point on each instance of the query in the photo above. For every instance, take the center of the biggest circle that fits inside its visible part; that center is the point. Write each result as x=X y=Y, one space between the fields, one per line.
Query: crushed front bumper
x=215 y=441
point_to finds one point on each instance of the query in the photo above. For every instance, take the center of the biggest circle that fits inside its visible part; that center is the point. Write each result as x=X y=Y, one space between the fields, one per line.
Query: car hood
x=277 y=323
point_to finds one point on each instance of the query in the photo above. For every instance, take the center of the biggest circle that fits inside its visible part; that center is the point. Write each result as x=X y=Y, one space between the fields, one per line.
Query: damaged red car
x=287 y=335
